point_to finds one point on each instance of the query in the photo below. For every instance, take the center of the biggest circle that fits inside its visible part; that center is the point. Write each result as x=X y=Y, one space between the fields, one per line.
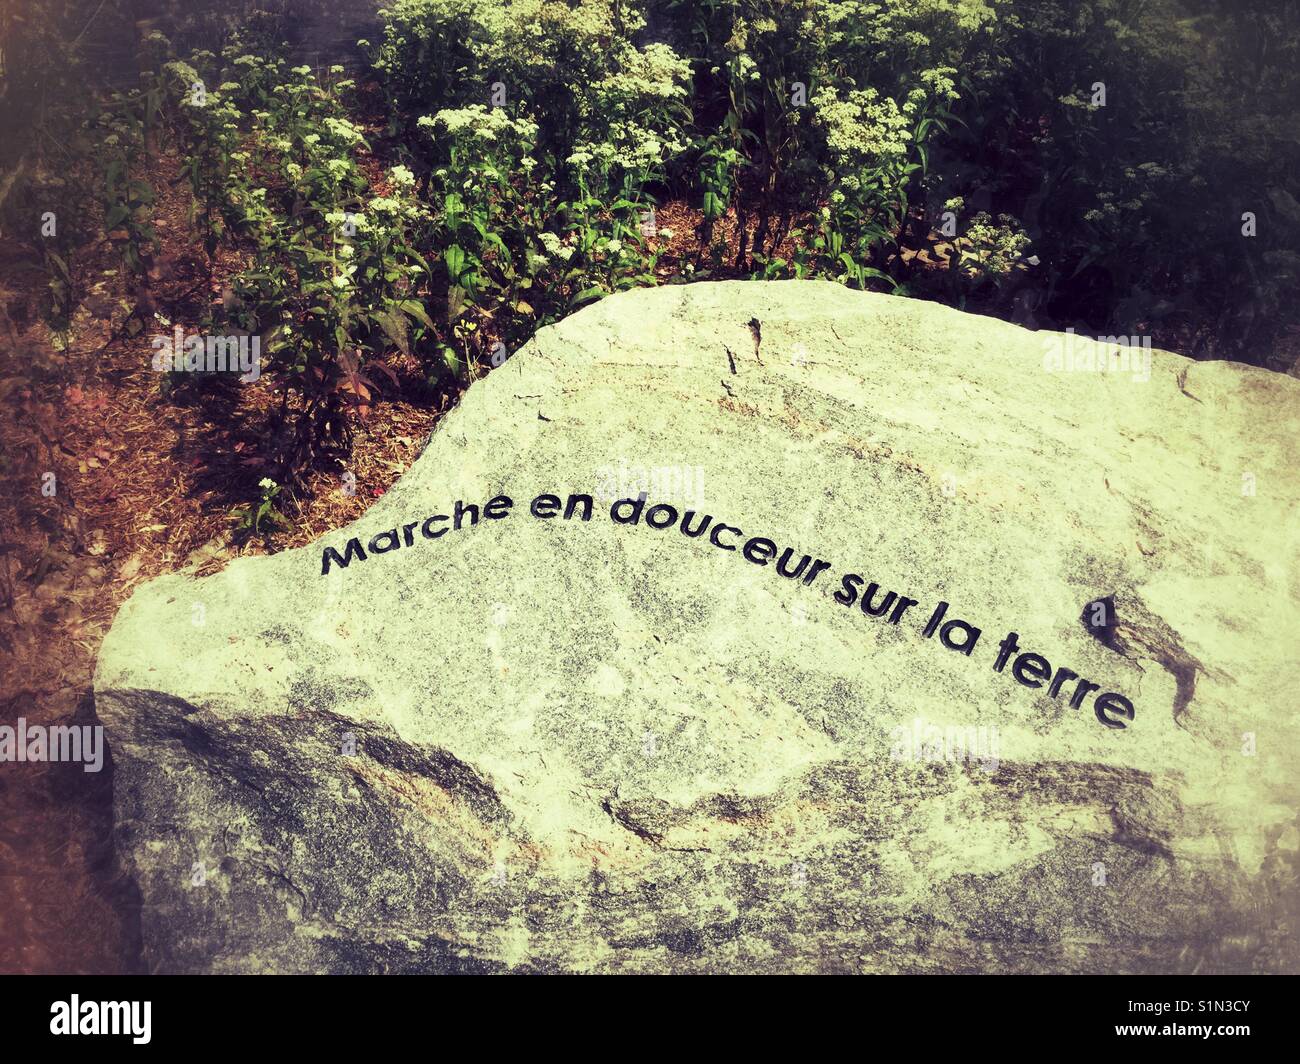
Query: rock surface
x=544 y=744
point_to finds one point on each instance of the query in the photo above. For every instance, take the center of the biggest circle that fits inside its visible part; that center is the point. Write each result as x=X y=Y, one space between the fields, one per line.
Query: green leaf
x=455 y=259
x=416 y=310
x=456 y=302
x=588 y=294
x=394 y=326
x=877 y=275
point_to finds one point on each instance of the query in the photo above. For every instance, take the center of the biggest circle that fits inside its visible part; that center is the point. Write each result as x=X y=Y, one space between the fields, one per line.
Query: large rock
x=544 y=744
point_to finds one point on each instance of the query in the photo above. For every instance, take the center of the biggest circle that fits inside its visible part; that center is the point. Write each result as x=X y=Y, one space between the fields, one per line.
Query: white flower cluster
x=632 y=117
x=555 y=247
x=996 y=247
x=476 y=122
x=342 y=132
x=861 y=127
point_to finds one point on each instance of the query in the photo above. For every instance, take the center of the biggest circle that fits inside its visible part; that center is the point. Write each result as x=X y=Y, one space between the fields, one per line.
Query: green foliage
x=252 y=516
x=521 y=143
x=1135 y=205
x=537 y=202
